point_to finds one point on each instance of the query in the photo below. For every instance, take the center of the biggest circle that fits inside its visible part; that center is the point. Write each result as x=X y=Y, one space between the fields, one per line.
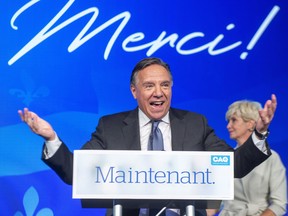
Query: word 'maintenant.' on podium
x=152 y=179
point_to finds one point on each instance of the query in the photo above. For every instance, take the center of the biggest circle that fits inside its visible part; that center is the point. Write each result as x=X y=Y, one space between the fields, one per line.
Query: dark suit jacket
x=190 y=132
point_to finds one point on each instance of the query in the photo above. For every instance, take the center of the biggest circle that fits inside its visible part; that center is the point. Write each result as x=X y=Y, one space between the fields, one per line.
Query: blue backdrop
x=70 y=61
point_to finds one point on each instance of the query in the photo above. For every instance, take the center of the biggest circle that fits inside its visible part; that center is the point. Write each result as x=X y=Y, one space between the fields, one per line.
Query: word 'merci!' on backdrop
x=213 y=47
x=151 y=176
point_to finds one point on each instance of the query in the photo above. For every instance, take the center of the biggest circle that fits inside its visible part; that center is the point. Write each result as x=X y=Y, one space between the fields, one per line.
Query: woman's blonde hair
x=245 y=109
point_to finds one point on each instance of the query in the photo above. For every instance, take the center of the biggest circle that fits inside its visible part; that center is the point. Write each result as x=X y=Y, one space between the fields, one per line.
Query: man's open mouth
x=157 y=103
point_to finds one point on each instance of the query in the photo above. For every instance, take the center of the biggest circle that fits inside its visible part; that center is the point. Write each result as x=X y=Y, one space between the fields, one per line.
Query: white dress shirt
x=145 y=130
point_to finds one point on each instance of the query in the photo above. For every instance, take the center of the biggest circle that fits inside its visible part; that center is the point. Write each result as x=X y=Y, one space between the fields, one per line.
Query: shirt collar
x=144 y=120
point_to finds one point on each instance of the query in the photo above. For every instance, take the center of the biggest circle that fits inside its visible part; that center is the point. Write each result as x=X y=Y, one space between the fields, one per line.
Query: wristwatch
x=262 y=136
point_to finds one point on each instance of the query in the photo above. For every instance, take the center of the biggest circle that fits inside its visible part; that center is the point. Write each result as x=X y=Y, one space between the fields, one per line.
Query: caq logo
x=220 y=160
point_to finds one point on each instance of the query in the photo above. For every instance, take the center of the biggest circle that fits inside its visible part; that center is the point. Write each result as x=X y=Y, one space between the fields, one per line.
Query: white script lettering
x=180 y=44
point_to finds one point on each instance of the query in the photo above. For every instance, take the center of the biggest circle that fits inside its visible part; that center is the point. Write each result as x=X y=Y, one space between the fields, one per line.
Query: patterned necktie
x=156 y=138
x=155 y=144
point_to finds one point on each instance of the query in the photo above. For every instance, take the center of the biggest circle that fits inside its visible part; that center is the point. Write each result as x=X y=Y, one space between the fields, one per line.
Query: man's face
x=153 y=91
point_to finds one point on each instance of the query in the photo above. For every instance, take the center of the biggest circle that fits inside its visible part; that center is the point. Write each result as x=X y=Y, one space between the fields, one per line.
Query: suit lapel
x=131 y=131
x=178 y=128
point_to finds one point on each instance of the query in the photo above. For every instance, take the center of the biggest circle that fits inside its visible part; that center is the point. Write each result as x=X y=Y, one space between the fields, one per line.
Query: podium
x=152 y=179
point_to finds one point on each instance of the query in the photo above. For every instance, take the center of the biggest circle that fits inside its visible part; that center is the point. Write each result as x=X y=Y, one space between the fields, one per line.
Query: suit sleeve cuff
x=51 y=147
x=260 y=144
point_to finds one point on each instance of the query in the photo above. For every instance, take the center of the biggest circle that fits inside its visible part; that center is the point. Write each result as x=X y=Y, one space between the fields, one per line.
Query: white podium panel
x=106 y=174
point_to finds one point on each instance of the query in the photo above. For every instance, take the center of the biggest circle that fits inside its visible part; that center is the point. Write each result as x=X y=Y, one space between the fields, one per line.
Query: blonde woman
x=263 y=191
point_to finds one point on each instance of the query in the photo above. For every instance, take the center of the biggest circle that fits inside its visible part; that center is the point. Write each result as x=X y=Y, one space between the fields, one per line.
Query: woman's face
x=239 y=129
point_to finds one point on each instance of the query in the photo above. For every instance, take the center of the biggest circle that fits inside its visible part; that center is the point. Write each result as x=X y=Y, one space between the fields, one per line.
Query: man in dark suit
x=151 y=85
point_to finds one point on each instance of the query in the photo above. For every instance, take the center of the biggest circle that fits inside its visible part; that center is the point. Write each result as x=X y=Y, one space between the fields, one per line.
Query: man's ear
x=133 y=91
